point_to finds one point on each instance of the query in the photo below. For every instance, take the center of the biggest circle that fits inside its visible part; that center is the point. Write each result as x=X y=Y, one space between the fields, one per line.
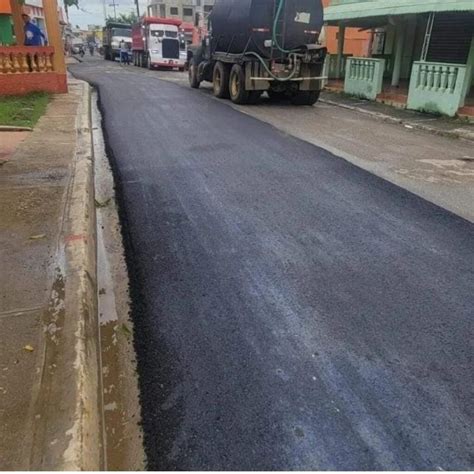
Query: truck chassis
x=243 y=77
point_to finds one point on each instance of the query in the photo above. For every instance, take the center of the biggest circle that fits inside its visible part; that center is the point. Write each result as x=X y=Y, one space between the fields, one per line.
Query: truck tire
x=193 y=74
x=305 y=98
x=238 y=94
x=220 y=80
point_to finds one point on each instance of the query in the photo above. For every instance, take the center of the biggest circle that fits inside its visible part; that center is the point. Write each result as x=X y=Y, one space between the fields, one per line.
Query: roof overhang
x=350 y=13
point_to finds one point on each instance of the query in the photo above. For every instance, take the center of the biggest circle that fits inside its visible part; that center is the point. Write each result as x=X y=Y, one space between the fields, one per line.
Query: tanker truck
x=261 y=45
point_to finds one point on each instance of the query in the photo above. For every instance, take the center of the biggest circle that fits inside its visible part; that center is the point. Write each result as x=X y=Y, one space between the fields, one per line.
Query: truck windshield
x=167 y=34
x=121 y=32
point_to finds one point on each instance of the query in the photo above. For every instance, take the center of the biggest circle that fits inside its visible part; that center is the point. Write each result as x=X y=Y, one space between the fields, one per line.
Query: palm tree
x=69 y=3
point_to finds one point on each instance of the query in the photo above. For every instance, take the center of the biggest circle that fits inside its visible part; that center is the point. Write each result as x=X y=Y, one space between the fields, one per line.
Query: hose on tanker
x=265 y=66
x=274 y=31
x=280 y=48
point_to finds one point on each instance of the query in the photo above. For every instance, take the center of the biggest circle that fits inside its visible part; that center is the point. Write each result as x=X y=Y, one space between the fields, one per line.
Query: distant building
x=94 y=33
x=182 y=9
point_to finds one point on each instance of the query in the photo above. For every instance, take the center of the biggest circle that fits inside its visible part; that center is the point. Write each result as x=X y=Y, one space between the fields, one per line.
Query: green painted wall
x=6 y=34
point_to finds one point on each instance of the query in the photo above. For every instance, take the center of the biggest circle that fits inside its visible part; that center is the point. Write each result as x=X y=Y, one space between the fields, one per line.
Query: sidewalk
x=49 y=389
x=445 y=126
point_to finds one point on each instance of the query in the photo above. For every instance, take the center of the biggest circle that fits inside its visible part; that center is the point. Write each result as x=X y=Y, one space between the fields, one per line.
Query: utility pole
x=105 y=10
x=113 y=4
x=138 y=9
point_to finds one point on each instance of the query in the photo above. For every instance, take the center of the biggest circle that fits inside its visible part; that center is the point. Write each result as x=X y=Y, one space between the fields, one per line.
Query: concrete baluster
x=444 y=79
x=41 y=65
x=15 y=63
x=23 y=63
x=429 y=78
x=422 y=76
x=49 y=62
x=451 y=79
x=436 y=76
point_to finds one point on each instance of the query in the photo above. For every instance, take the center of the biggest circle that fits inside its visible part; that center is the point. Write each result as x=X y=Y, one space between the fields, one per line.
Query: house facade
x=25 y=69
x=420 y=55
x=34 y=8
x=356 y=42
x=184 y=10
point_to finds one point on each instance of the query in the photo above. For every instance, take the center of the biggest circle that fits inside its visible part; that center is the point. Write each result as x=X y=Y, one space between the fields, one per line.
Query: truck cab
x=156 y=43
x=113 y=34
x=163 y=45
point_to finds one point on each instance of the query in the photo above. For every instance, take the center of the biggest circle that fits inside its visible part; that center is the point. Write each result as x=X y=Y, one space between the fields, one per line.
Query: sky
x=91 y=12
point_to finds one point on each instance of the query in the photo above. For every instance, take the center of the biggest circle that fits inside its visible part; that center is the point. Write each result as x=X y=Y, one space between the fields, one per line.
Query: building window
x=162 y=10
x=207 y=8
x=174 y=11
x=187 y=11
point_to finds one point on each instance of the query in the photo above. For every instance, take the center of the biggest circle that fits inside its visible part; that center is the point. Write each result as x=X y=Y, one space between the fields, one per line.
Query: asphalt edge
x=388 y=118
x=138 y=304
x=69 y=433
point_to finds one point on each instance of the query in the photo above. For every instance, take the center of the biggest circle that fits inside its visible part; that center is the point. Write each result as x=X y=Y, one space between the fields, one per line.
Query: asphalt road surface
x=291 y=310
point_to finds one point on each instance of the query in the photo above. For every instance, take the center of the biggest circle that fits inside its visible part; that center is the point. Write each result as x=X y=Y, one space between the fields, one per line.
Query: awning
x=383 y=8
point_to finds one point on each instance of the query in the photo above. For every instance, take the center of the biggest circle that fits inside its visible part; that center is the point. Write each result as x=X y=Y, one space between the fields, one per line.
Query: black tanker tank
x=248 y=25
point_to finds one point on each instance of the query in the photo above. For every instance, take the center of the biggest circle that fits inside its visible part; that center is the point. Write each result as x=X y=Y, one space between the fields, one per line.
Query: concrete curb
x=14 y=128
x=387 y=118
x=69 y=434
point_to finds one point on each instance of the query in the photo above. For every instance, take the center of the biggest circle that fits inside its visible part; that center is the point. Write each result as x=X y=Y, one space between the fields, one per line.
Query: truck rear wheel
x=193 y=74
x=220 y=80
x=238 y=94
x=305 y=98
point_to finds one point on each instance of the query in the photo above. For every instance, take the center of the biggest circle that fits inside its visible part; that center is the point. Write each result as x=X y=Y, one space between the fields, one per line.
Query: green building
x=421 y=52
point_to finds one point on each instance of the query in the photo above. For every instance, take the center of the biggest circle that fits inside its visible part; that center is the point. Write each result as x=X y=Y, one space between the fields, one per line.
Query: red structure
x=25 y=69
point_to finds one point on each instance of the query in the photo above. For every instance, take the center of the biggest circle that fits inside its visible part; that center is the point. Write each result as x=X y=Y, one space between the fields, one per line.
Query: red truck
x=156 y=43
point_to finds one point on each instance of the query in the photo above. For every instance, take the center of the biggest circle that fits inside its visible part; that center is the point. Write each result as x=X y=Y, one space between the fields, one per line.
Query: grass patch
x=23 y=111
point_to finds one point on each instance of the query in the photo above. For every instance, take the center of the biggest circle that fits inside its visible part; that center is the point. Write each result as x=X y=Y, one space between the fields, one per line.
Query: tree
x=128 y=18
x=70 y=3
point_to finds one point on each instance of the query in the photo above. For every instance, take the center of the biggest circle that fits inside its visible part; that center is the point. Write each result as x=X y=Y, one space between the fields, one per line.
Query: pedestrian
x=124 y=58
x=33 y=35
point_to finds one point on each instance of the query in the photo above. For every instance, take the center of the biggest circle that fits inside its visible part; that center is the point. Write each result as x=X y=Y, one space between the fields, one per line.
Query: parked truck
x=261 y=45
x=156 y=43
x=113 y=34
